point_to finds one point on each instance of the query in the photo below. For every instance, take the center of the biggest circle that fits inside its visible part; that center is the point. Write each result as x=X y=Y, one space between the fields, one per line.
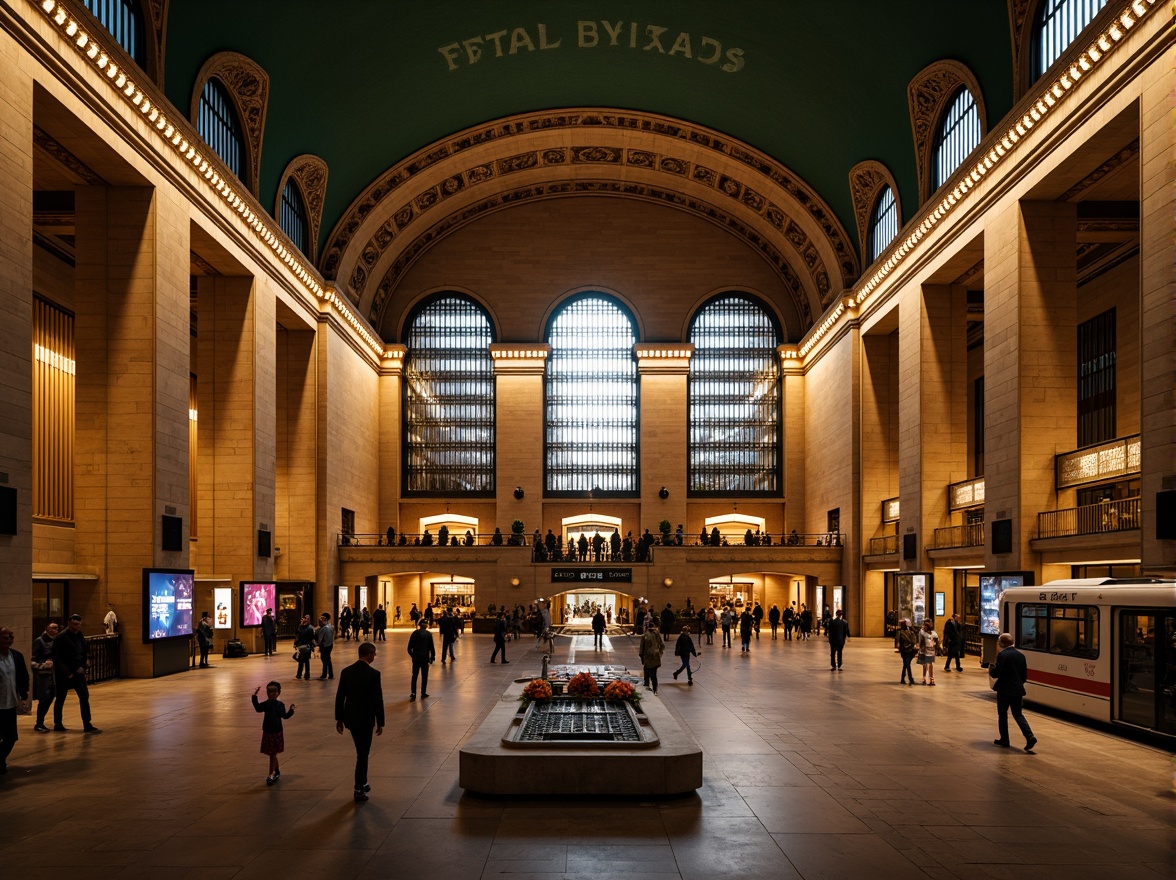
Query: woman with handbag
x=304 y=647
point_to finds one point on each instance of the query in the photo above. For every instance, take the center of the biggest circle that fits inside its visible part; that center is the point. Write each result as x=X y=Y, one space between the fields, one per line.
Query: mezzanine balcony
x=1090 y=519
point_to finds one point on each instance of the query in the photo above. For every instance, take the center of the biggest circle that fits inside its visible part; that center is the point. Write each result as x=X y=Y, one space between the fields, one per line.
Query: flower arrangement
x=621 y=691
x=537 y=690
x=583 y=685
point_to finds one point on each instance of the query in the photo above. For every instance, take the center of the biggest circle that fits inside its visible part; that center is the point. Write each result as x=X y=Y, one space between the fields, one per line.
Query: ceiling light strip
x=101 y=61
x=1038 y=110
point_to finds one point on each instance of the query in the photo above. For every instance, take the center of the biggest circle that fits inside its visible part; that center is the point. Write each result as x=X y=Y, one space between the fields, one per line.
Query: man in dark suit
x=359 y=706
x=422 y=652
x=1011 y=672
x=14 y=688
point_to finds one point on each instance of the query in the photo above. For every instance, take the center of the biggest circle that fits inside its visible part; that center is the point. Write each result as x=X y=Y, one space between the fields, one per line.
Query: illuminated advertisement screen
x=167 y=601
x=222 y=616
x=255 y=598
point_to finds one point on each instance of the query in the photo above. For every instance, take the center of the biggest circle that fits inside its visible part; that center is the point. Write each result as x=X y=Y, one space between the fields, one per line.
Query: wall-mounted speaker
x=1166 y=515
x=263 y=543
x=1002 y=536
x=7 y=510
x=173 y=533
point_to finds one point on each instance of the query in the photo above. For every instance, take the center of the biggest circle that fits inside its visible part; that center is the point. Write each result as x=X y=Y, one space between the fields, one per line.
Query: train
x=1102 y=648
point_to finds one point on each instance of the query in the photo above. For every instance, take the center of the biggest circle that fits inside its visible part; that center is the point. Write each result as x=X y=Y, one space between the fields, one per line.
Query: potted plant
x=664 y=527
x=536 y=691
x=583 y=685
x=516 y=533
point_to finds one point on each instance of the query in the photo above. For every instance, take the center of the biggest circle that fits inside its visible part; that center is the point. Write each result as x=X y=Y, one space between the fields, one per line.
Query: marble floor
x=807 y=774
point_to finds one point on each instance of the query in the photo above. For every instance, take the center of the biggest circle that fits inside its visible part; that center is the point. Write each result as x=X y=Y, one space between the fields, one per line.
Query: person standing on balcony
x=69 y=669
x=953 y=641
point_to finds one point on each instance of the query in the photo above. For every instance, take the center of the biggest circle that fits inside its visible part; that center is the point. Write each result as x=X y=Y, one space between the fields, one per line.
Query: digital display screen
x=222 y=617
x=990 y=590
x=255 y=599
x=168 y=604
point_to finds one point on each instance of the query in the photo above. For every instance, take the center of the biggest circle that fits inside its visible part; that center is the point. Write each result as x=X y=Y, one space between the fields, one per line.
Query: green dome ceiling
x=819 y=86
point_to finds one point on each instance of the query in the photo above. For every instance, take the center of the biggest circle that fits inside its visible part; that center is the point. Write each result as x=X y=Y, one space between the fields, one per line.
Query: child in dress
x=272 y=739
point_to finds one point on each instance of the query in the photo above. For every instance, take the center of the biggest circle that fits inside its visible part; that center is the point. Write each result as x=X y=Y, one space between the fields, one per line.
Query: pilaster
x=518 y=453
x=664 y=371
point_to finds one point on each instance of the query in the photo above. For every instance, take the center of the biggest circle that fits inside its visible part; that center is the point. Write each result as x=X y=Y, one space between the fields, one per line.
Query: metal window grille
x=883 y=223
x=1096 y=379
x=216 y=121
x=734 y=399
x=293 y=215
x=449 y=399
x=959 y=133
x=1057 y=25
x=123 y=19
x=54 y=391
x=591 y=389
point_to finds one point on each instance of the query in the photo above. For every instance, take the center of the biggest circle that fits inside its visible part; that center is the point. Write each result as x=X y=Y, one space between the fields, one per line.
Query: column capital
x=392 y=360
x=665 y=358
x=519 y=359
x=790 y=360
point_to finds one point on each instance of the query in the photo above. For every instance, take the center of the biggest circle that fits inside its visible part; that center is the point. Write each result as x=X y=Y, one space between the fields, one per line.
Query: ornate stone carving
x=927 y=97
x=247 y=85
x=155 y=15
x=759 y=181
x=310 y=176
x=866 y=180
x=1021 y=16
x=45 y=142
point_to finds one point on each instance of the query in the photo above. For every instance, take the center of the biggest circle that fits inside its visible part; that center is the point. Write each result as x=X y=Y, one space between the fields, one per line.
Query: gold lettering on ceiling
x=651 y=38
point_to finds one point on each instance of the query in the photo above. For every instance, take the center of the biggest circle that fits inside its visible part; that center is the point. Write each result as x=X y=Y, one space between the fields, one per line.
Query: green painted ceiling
x=362 y=83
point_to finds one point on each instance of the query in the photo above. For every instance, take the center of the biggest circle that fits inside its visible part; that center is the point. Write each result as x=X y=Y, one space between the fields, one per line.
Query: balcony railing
x=1106 y=461
x=959 y=536
x=883 y=545
x=1091 y=519
x=967 y=493
x=103 y=657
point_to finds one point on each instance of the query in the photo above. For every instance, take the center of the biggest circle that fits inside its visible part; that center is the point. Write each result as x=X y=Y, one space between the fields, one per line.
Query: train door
x=1147 y=669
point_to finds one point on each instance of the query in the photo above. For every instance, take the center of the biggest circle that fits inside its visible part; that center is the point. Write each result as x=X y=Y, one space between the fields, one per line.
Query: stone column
x=1030 y=366
x=663 y=370
x=16 y=316
x=296 y=404
x=1157 y=211
x=235 y=379
x=880 y=421
x=518 y=447
x=792 y=413
x=133 y=336
x=933 y=418
x=391 y=445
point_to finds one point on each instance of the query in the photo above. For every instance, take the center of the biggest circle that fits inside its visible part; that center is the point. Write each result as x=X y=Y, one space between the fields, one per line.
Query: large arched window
x=958 y=135
x=292 y=217
x=591 y=438
x=218 y=124
x=1056 y=25
x=448 y=398
x=734 y=406
x=883 y=223
x=123 y=19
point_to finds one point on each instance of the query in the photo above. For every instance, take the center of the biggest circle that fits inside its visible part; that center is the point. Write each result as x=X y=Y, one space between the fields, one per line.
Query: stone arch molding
x=310 y=176
x=927 y=97
x=866 y=180
x=247 y=85
x=589 y=152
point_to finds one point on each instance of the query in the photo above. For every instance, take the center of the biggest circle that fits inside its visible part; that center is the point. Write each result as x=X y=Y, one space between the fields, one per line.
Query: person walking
x=651 y=650
x=269 y=632
x=499 y=637
x=712 y=623
x=725 y=621
x=746 y=627
x=774 y=619
x=422 y=652
x=928 y=648
x=666 y=624
x=447 y=626
x=304 y=641
x=69 y=671
x=345 y=622
x=14 y=689
x=838 y=633
x=1010 y=672
x=43 y=674
x=325 y=639
x=908 y=647
x=598 y=630
x=379 y=623
x=685 y=649
x=204 y=638
x=273 y=739
x=953 y=642
x=806 y=622
x=365 y=622
x=359 y=707
x=757 y=614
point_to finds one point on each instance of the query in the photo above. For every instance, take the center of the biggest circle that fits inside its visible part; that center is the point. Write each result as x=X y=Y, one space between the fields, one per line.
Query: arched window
x=448 y=398
x=591 y=438
x=124 y=20
x=1056 y=25
x=734 y=399
x=292 y=217
x=883 y=223
x=218 y=124
x=958 y=135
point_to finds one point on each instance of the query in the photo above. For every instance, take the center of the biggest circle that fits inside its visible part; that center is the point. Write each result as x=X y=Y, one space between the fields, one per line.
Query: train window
x=1071 y=630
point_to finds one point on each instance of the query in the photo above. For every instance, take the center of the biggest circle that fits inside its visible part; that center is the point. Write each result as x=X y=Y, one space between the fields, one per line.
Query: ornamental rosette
x=583 y=685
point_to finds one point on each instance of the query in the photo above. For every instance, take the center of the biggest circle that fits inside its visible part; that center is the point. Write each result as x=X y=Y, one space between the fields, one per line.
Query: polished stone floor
x=808 y=773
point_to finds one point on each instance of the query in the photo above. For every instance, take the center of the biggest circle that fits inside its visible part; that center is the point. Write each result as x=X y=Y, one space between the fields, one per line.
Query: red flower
x=583 y=685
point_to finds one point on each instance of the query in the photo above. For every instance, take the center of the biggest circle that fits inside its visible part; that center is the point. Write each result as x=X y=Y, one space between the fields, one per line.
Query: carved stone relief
x=248 y=87
x=310 y=174
x=927 y=97
x=866 y=180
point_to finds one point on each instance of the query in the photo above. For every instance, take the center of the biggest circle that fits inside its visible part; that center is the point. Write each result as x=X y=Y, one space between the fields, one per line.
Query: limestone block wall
x=296 y=407
x=880 y=441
